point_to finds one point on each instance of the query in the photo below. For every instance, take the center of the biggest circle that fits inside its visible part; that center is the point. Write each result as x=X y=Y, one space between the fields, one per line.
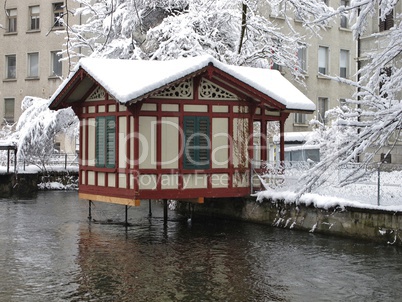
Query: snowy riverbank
x=362 y=194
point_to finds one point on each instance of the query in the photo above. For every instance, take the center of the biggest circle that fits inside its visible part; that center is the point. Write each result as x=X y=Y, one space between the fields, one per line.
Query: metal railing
x=57 y=160
x=380 y=185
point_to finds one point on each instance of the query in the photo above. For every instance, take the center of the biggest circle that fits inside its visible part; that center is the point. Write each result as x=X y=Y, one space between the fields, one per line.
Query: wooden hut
x=179 y=129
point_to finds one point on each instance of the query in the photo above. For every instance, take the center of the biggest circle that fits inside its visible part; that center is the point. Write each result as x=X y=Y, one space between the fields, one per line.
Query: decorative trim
x=183 y=90
x=98 y=94
x=211 y=91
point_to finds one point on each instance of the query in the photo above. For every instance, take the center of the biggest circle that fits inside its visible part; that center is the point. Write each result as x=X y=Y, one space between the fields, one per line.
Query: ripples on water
x=49 y=252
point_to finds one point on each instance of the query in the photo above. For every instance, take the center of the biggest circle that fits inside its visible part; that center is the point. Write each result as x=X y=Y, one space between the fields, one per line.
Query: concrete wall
x=22 y=185
x=26 y=185
x=373 y=225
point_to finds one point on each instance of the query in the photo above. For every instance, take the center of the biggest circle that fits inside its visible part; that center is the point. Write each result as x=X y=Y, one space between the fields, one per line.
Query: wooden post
x=165 y=211
x=15 y=160
x=283 y=118
x=8 y=161
x=150 y=208
x=126 y=221
x=90 y=210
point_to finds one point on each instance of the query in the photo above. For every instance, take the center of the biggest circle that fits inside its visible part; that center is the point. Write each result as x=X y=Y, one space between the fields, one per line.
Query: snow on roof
x=128 y=80
x=7 y=143
x=301 y=136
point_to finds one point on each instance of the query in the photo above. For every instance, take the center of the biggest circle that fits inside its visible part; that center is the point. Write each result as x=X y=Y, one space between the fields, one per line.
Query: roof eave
x=293 y=110
x=57 y=102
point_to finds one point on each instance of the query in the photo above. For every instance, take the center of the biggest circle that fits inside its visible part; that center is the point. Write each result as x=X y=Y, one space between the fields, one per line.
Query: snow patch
x=325 y=202
x=382 y=232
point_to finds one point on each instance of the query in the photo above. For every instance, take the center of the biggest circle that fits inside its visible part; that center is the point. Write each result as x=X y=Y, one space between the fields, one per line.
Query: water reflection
x=49 y=251
x=168 y=264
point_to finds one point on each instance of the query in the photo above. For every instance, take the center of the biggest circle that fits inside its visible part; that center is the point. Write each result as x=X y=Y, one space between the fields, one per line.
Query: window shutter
x=196 y=142
x=203 y=142
x=110 y=141
x=100 y=152
x=189 y=140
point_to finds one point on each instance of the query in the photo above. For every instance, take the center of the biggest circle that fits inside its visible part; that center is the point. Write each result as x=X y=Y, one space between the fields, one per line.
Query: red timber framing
x=130 y=179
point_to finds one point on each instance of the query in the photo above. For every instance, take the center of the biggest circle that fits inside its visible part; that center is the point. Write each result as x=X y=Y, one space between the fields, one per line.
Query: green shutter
x=203 y=142
x=105 y=146
x=100 y=140
x=110 y=141
x=196 y=142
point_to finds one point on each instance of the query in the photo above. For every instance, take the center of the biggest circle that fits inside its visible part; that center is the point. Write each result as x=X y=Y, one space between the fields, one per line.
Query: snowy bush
x=36 y=130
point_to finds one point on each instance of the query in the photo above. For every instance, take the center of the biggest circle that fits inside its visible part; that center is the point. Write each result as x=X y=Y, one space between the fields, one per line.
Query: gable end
x=211 y=91
x=183 y=90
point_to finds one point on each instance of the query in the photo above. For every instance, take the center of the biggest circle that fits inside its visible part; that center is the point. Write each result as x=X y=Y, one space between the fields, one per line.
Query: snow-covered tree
x=37 y=127
x=238 y=32
x=371 y=120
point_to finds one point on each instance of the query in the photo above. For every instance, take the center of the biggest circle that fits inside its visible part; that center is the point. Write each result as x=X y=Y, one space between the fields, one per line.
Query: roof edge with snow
x=132 y=80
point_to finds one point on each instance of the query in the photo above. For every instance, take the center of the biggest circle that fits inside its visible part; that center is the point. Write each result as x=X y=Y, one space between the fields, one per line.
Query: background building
x=30 y=48
x=333 y=53
x=374 y=39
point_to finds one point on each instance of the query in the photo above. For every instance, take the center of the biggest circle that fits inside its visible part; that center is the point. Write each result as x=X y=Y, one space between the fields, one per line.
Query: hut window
x=105 y=141
x=197 y=143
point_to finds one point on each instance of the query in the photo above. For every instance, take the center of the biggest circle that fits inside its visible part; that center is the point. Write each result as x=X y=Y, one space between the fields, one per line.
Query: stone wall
x=375 y=225
x=18 y=185
x=26 y=184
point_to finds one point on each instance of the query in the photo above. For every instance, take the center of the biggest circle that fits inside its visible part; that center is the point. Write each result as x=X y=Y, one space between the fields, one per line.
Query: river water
x=50 y=252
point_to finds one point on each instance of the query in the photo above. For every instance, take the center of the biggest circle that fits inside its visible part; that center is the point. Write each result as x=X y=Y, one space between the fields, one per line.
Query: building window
x=385 y=75
x=302 y=58
x=56 y=147
x=9 y=110
x=388 y=22
x=276 y=66
x=34 y=18
x=11 y=67
x=11 y=20
x=56 y=65
x=58 y=14
x=300 y=118
x=344 y=23
x=322 y=109
x=386 y=158
x=105 y=144
x=33 y=65
x=323 y=60
x=197 y=144
x=344 y=63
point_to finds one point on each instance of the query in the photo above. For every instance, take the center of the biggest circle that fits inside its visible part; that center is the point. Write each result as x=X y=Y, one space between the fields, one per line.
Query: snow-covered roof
x=128 y=80
x=300 y=136
x=7 y=144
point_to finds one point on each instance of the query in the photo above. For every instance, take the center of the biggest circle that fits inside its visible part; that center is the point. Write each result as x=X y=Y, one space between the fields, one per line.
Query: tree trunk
x=243 y=26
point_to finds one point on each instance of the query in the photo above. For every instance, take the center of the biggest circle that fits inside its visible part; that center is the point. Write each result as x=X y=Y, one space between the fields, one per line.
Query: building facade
x=373 y=40
x=334 y=53
x=180 y=132
x=30 y=48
